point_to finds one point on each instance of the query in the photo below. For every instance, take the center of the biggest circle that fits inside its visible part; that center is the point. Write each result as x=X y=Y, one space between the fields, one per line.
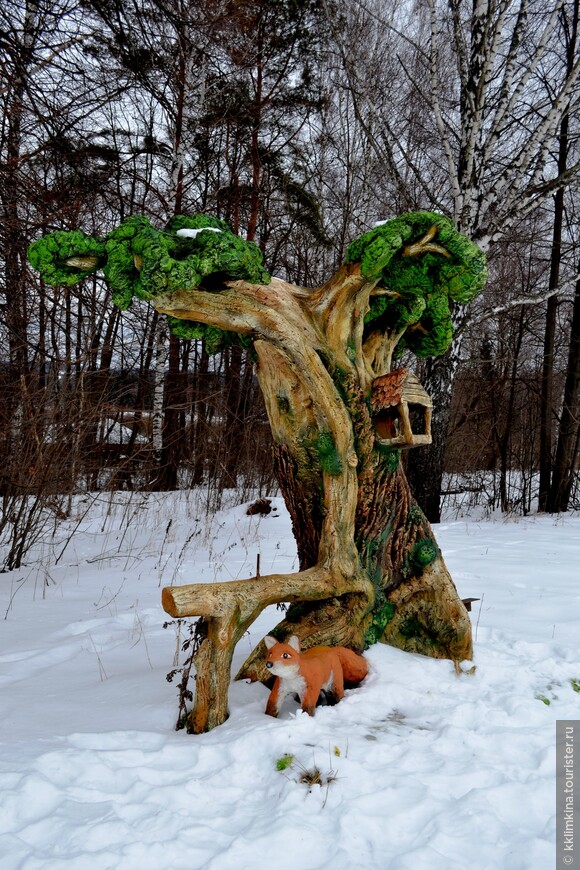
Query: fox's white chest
x=294 y=683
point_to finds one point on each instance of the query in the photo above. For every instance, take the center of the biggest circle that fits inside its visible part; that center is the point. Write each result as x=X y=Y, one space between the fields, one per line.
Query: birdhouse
x=401 y=410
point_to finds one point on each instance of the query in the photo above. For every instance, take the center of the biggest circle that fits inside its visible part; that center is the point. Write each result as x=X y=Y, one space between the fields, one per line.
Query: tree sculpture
x=370 y=569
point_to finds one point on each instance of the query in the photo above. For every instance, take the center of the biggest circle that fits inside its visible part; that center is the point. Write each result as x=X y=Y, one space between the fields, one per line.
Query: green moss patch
x=411 y=627
x=49 y=255
x=319 y=451
x=391 y=456
x=167 y=260
x=423 y=286
x=380 y=619
x=423 y=553
x=328 y=455
x=415 y=516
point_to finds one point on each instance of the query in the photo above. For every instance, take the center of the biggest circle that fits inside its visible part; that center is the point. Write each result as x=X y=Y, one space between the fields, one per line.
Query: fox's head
x=283 y=659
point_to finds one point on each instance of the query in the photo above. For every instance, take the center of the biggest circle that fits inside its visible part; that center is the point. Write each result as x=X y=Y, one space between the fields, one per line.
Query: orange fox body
x=307 y=674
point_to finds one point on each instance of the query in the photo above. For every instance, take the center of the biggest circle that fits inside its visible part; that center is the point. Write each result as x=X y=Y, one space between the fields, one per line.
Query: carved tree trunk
x=370 y=568
x=413 y=604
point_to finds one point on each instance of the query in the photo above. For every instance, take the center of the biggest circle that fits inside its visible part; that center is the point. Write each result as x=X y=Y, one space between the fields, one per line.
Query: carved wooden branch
x=244 y=597
x=230 y=608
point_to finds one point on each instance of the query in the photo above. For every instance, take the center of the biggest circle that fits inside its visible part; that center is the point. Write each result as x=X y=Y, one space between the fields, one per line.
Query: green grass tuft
x=284 y=762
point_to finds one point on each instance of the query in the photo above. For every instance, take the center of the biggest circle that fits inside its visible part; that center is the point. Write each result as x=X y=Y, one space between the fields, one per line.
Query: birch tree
x=491 y=93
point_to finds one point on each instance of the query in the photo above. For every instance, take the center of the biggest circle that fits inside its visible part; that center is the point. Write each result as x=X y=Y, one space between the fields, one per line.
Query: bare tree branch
x=529 y=299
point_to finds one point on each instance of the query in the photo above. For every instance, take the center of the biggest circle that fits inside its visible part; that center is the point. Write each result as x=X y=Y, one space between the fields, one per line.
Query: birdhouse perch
x=401 y=410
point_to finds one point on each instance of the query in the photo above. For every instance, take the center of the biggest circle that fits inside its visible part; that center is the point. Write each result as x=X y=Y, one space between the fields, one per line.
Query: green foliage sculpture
x=370 y=569
x=140 y=261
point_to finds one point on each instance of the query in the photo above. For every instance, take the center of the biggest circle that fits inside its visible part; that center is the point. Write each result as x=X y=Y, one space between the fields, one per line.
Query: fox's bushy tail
x=354 y=667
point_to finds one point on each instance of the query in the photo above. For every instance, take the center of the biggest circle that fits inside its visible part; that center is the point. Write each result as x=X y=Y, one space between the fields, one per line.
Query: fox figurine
x=307 y=674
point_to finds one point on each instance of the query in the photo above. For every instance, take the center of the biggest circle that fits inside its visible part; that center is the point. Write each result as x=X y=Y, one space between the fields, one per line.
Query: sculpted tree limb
x=370 y=568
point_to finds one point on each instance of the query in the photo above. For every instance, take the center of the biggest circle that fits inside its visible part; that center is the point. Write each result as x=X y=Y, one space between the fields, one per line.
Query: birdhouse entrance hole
x=387 y=423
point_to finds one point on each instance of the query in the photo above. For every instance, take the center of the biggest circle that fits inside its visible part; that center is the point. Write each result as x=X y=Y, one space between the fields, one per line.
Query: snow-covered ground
x=426 y=769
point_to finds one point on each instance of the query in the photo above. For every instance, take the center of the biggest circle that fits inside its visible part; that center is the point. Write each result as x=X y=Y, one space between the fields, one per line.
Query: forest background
x=301 y=123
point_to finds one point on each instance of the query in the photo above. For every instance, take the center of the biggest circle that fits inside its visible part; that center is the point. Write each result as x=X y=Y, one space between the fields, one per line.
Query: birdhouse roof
x=395 y=387
x=388 y=389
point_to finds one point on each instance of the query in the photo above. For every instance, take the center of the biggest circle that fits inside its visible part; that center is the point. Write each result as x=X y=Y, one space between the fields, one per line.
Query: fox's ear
x=270 y=641
x=294 y=643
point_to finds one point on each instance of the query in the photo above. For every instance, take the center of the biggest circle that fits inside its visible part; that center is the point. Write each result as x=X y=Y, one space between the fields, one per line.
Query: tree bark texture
x=568 y=447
